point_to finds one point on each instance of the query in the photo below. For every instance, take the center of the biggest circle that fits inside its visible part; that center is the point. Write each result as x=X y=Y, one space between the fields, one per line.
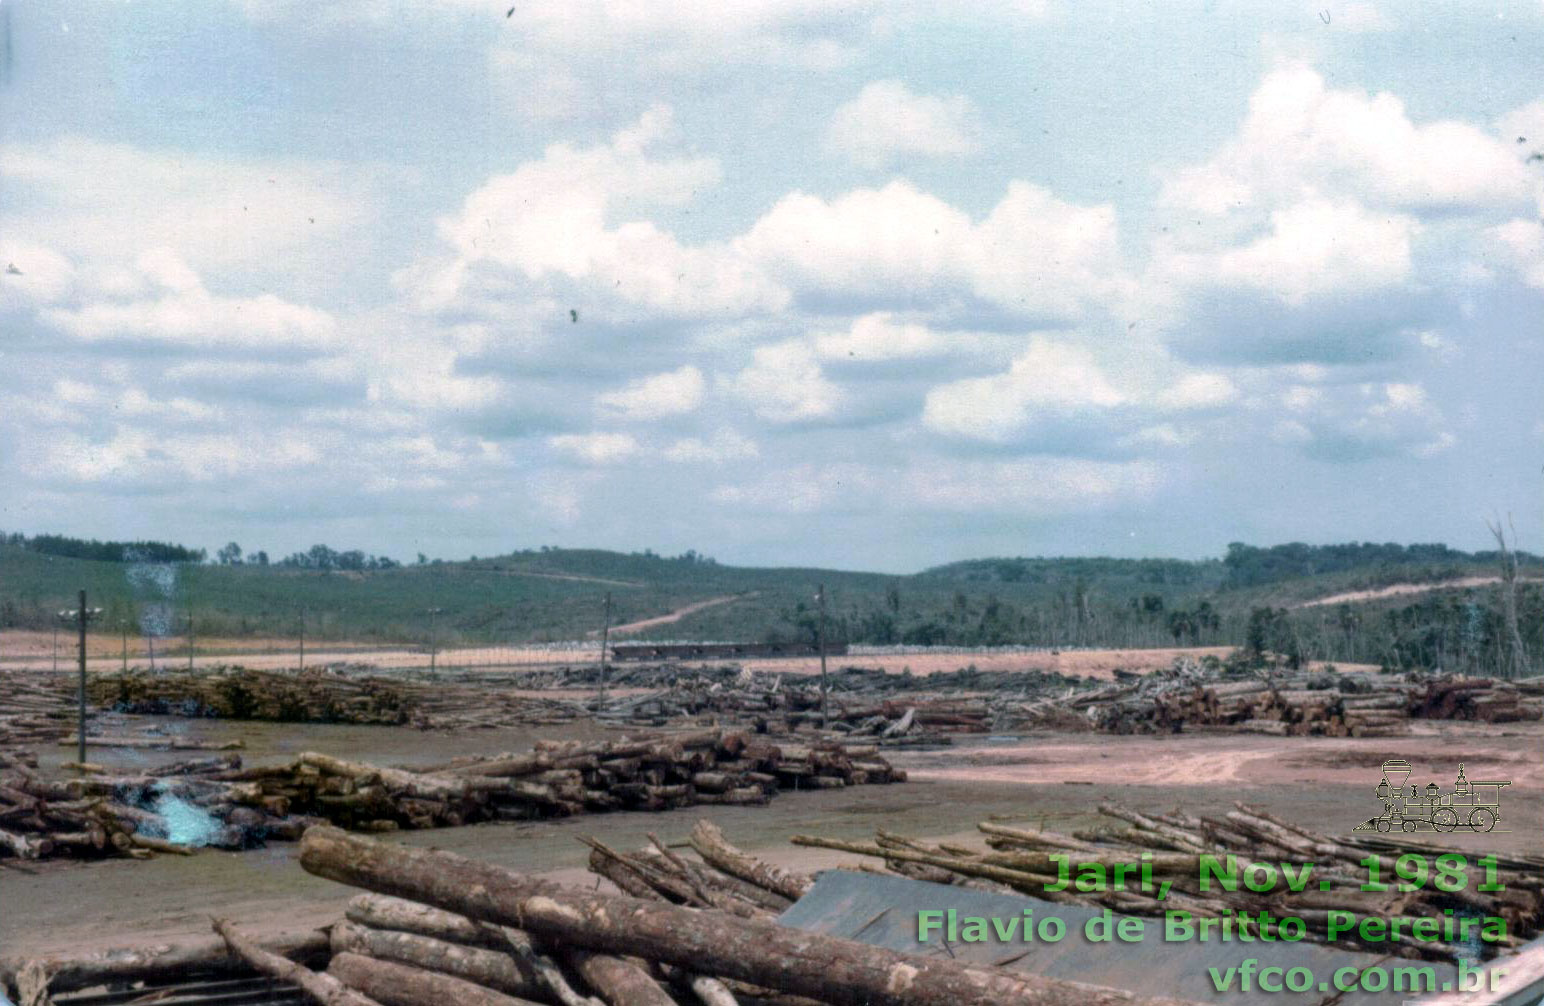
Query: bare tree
x=1515 y=664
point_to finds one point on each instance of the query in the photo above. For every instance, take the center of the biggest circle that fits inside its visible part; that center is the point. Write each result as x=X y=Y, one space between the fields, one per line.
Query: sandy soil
x=1056 y=780
x=1400 y=589
x=34 y=650
x=674 y=616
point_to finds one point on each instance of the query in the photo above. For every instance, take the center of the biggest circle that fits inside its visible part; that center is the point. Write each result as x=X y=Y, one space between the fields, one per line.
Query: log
x=153 y=963
x=25 y=846
x=377 y=911
x=324 y=988
x=712 y=992
x=841 y=972
x=394 y=984
x=620 y=982
x=708 y=841
x=474 y=964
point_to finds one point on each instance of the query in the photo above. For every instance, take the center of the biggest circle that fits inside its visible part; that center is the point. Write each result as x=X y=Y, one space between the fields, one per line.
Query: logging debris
x=1285 y=703
x=1018 y=859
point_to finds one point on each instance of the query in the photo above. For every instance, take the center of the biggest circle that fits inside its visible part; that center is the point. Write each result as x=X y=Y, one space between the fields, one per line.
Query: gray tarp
x=882 y=910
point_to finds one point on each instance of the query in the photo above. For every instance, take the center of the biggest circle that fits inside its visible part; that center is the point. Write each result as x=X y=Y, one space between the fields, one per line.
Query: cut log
x=620 y=983
x=474 y=964
x=324 y=988
x=377 y=911
x=709 y=843
x=838 y=971
x=154 y=963
x=394 y=984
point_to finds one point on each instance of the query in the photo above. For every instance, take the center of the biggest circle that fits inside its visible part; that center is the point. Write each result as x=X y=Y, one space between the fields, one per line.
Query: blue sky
x=862 y=285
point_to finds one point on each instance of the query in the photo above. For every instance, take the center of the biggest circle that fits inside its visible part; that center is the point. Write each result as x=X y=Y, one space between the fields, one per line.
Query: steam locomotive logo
x=1473 y=805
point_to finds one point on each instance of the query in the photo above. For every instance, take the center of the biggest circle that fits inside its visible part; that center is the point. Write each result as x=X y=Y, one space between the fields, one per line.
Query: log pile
x=135 y=816
x=1019 y=859
x=35 y=707
x=339 y=694
x=236 y=807
x=439 y=928
x=890 y=708
x=1286 y=703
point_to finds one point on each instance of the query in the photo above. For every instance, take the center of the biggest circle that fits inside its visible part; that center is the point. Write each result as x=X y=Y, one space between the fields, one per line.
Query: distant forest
x=1249 y=566
x=105 y=551
x=1254 y=598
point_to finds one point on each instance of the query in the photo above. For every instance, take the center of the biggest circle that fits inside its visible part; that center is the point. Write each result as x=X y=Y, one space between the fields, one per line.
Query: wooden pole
x=433 y=640
x=83 y=615
x=824 y=689
x=605 y=640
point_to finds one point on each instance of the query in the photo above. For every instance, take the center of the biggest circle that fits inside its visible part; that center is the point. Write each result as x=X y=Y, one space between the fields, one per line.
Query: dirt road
x=1400 y=589
x=674 y=616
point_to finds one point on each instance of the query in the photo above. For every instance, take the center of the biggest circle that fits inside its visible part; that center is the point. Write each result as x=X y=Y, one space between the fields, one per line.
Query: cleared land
x=1054 y=780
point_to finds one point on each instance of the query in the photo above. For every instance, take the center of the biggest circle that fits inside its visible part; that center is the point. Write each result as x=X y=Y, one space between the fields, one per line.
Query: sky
x=796 y=282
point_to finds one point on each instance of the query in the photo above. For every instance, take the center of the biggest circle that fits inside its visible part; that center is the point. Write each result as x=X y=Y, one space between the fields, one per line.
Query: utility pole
x=605 y=639
x=81 y=616
x=433 y=639
x=821 y=597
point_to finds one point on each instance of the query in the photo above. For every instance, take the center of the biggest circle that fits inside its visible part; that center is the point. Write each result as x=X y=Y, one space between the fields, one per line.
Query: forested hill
x=1350 y=566
x=549 y=594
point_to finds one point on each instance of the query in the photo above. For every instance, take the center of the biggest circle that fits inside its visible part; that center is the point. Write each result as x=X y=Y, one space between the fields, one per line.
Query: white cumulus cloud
x=887 y=120
x=671 y=393
x=596 y=448
x=784 y=384
x=1301 y=135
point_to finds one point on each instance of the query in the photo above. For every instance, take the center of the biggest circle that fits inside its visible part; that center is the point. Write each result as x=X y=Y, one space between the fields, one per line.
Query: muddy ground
x=1052 y=779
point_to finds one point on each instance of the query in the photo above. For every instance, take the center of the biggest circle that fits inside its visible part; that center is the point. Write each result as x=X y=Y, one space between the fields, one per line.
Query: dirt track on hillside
x=674 y=616
x=1401 y=589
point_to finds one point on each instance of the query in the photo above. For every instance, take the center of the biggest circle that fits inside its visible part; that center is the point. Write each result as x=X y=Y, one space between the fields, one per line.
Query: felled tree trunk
x=620 y=983
x=842 y=972
x=150 y=963
x=485 y=967
x=378 y=911
x=324 y=988
x=709 y=843
x=394 y=984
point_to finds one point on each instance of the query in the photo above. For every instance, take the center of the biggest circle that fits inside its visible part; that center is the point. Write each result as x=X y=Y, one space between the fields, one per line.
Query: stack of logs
x=35 y=706
x=859 y=700
x=100 y=815
x=438 y=928
x=330 y=695
x=242 y=806
x=561 y=778
x=1019 y=860
x=1289 y=704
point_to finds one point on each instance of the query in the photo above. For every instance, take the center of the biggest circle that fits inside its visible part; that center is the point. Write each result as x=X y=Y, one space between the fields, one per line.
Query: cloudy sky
x=873 y=285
